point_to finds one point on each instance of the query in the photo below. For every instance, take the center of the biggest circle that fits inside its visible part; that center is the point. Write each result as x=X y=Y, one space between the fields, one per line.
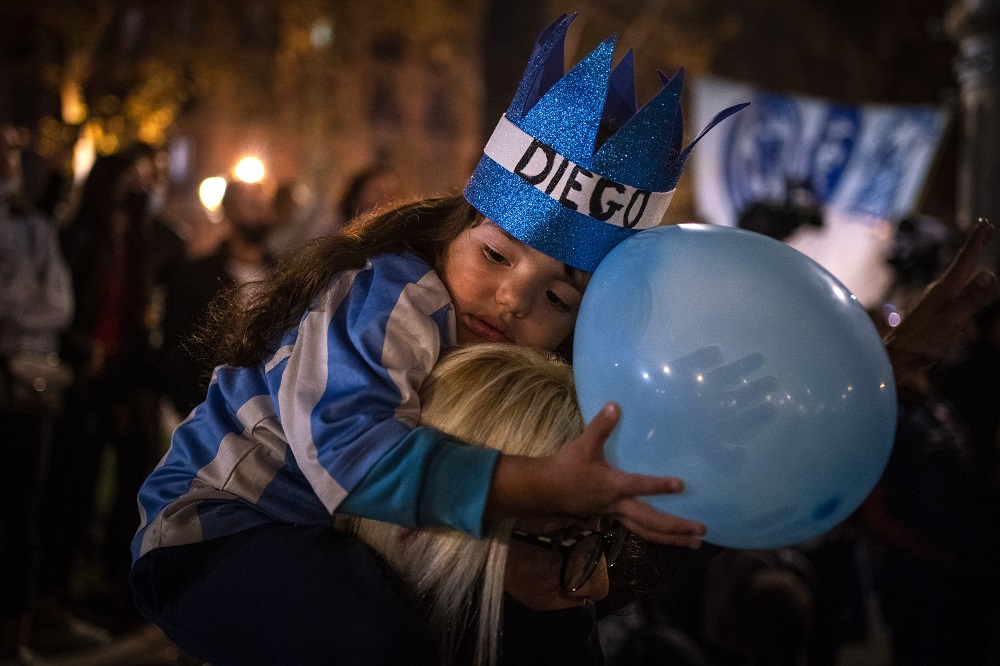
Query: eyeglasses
x=581 y=551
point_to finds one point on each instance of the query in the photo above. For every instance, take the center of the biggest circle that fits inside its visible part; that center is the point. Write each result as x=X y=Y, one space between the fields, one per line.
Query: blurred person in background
x=299 y=217
x=192 y=284
x=931 y=523
x=166 y=222
x=36 y=305
x=111 y=407
x=366 y=190
x=970 y=381
x=295 y=218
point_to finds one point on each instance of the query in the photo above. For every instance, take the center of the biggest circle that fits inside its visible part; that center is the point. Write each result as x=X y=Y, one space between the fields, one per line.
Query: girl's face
x=506 y=291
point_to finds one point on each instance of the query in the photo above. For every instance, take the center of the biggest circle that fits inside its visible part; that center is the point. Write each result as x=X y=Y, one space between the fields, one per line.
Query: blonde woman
x=538 y=575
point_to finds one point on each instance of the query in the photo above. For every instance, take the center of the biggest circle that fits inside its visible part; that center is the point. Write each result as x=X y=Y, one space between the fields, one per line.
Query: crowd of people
x=99 y=307
x=333 y=464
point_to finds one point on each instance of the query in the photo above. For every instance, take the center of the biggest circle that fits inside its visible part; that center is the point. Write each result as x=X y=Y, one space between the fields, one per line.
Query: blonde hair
x=514 y=399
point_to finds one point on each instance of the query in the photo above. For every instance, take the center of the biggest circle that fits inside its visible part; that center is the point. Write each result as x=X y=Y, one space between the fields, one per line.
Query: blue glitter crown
x=548 y=181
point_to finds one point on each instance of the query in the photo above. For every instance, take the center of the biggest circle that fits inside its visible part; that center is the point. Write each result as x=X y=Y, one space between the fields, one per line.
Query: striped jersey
x=326 y=423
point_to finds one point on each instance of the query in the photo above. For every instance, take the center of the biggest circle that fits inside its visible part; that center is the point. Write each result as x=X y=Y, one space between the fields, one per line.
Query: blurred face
x=285 y=207
x=10 y=156
x=250 y=213
x=379 y=189
x=506 y=291
x=532 y=576
x=250 y=205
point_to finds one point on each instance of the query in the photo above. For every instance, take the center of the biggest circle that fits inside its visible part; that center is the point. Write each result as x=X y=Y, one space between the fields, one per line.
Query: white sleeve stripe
x=278 y=357
x=413 y=342
x=266 y=446
x=255 y=410
x=181 y=523
x=303 y=384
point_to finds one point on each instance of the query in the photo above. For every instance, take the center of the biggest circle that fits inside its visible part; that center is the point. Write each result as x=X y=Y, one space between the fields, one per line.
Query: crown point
x=649 y=132
x=620 y=104
x=567 y=115
x=545 y=67
x=550 y=179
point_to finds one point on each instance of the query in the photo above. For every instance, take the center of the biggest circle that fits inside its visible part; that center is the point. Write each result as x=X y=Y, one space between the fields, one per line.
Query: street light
x=249 y=170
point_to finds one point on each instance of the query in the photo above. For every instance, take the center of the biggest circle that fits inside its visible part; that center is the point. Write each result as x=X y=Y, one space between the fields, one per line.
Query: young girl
x=314 y=407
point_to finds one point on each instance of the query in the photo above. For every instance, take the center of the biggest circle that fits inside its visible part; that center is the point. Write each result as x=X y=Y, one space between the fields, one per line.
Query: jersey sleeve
x=428 y=479
x=348 y=397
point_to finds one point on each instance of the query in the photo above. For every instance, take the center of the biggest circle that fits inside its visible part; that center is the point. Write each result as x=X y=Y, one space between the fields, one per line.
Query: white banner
x=870 y=159
x=866 y=164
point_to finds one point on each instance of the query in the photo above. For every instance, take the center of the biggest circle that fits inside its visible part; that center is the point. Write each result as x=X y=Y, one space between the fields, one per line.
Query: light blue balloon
x=744 y=368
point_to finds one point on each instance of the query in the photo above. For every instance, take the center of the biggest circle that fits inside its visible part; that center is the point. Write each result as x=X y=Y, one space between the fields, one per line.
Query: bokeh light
x=321 y=34
x=211 y=191
x=249 y=170
x=892 y=316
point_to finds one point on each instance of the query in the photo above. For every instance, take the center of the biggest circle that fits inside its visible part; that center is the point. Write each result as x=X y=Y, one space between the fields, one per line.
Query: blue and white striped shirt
x=328 y=422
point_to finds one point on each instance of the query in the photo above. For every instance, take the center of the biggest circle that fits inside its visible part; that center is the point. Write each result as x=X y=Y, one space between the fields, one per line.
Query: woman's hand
x=578 y=481
x=928 y=333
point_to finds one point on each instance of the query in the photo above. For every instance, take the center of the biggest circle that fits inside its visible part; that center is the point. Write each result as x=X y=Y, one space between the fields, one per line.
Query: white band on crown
x=570 y=184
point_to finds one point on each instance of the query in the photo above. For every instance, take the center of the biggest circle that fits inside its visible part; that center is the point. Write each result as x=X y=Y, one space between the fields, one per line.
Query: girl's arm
x=386 y=470
x=578 y=481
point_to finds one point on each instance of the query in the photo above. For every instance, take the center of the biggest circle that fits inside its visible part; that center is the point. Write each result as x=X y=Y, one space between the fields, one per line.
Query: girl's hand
x=578 y=481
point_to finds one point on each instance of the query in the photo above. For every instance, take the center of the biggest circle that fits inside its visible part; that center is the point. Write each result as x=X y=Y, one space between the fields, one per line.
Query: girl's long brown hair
x=244 y=324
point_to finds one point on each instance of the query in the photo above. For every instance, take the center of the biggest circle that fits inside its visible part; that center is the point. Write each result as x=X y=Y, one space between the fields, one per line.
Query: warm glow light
x=321 y=34
x=74 y=108
x=84 y=154
x=249 y=170
x=210 y=192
